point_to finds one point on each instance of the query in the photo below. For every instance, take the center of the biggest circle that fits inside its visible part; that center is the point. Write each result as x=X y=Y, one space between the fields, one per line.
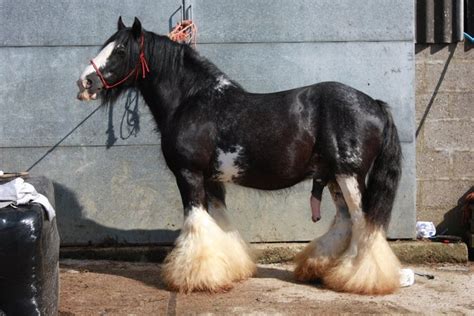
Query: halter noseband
x=141 y=63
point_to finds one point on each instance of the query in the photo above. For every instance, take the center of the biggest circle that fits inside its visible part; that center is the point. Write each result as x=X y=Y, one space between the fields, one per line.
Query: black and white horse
x=213 y=131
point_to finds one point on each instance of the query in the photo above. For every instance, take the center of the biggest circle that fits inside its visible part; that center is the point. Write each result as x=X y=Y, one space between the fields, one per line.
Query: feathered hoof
x=310 y=267
x=320 y=255
x=206 y=258
x=374 y=270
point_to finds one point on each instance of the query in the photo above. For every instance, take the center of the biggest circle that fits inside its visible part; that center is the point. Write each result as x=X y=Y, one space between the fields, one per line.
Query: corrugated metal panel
x=439 y=21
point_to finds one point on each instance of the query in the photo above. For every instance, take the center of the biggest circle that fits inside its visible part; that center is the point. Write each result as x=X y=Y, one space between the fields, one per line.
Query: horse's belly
x=266 y=173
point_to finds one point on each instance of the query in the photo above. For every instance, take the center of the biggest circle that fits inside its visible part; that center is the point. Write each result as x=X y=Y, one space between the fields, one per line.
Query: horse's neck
x=162 y=100
x=165 y=90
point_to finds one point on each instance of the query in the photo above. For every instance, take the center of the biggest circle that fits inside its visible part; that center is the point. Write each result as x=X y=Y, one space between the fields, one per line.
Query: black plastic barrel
x=29 y=256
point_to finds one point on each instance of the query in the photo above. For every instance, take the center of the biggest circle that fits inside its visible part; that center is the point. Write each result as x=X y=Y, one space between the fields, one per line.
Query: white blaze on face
x=228 y=167
x=100 y=60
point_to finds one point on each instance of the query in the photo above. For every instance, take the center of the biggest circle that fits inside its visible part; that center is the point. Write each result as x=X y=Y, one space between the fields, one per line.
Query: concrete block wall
x=111 y=182
x=445 y=142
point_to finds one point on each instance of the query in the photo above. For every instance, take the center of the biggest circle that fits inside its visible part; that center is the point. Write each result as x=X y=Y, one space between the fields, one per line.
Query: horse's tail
x=385 y=175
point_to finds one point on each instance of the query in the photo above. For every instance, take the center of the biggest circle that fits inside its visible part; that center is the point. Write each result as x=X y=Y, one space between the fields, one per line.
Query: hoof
x=321 y=254
x=373 y=269
x=310 y=266
x=206 y=258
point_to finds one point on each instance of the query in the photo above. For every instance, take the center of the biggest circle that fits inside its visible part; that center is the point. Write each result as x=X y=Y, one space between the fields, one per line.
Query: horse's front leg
x=205 y=257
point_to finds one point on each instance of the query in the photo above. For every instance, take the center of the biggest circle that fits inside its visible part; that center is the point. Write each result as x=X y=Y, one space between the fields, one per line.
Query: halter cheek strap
x=141 y=64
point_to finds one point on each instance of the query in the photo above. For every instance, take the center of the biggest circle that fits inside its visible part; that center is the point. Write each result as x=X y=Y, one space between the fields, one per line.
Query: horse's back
x=331 y=110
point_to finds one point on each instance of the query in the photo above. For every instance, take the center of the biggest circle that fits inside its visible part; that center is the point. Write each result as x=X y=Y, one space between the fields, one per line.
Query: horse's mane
x=178 y=63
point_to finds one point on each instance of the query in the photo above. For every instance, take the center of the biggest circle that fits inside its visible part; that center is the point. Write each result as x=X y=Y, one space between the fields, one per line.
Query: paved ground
x=124 y=288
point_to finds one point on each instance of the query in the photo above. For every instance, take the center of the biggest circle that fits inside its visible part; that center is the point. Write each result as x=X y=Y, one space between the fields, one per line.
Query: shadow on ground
x=130 y=270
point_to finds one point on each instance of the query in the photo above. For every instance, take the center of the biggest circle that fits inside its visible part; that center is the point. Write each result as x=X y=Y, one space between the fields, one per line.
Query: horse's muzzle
x=85 y=96
x=84 y=91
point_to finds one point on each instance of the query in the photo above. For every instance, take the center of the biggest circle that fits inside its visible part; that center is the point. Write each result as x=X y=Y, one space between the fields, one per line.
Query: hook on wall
x=183 y=12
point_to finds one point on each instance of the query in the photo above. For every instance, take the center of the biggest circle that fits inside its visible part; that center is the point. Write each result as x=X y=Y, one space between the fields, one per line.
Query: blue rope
x=469 y=37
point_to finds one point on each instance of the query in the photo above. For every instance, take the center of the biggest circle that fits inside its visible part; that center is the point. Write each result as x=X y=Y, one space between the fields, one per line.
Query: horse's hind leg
x=320 y=254
x=205 y=257
x=368 y=266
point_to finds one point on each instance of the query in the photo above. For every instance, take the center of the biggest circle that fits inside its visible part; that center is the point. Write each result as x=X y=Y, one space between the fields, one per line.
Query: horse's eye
x=120 y=49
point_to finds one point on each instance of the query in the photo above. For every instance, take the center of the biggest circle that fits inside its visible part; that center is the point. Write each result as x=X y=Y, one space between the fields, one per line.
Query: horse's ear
x=137 y=28
x=120 y=24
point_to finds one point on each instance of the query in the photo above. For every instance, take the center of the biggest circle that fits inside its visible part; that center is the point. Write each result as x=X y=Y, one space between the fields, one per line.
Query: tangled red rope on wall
x=184 y=32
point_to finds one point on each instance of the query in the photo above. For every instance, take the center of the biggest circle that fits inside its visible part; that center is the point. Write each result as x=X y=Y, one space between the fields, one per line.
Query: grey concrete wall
x=110 y=178
x=445 y=142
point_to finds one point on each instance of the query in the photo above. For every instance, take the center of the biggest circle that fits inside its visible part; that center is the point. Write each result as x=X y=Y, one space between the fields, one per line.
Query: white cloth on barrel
x=18 y=192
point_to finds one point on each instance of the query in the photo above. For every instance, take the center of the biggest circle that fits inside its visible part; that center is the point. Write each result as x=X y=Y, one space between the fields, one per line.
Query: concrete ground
x=132 y=288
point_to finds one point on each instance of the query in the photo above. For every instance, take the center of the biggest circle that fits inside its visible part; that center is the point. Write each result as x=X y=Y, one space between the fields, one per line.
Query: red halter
x=141 y=63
